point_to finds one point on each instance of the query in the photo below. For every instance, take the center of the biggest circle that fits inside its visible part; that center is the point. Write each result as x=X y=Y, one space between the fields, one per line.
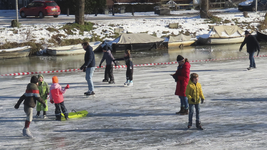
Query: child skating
x=129 y=72
x=44 y=92
x=195 y=96
x=56 y=96
x=110 y=60
x=30 y=97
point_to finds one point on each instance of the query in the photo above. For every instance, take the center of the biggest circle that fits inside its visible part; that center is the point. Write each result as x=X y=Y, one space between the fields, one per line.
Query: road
x=5 y=19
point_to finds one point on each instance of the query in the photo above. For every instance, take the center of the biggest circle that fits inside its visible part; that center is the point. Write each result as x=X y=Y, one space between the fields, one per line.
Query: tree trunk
x=79 y=15
x=204 y=9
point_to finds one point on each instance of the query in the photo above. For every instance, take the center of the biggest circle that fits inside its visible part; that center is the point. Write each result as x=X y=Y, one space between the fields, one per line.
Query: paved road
x=33 y=20
x=6 y=20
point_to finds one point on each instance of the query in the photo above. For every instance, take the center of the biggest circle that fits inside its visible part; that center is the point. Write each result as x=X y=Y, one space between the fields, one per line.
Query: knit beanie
x=34 y=79
x=180 y=58
x=55 y=79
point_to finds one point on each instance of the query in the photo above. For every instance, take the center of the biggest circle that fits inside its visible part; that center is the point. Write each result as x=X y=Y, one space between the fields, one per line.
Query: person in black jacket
x=110 y=60
x=129 y=72
x=30 y=97
x=252 y=47
x=89 y=67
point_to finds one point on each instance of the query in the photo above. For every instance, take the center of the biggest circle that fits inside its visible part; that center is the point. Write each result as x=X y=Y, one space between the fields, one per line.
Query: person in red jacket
x=56 y=96
x=181 y=77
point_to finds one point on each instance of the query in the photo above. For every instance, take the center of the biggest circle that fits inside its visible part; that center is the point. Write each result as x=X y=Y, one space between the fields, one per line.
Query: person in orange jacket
x=56 y=96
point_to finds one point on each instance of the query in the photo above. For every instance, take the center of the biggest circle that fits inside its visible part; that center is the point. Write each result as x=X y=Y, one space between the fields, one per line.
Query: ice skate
x=26 y=132
x=130 y=83
x=126 y=83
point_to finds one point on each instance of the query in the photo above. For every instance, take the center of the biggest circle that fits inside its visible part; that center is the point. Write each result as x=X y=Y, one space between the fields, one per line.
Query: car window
x=31 y=5
x=51 y=4
x=39 y=4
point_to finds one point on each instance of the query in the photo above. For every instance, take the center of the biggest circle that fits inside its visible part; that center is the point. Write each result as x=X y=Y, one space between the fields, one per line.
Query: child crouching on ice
x=194 y=95
x=30 y=97
x=56 y=96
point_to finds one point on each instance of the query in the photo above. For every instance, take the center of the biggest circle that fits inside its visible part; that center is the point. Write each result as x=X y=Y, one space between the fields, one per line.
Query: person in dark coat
x=129 y=72
x=252 y=47
x=181 y=77
x=89 y=67
x=109 y=65
x=30 y=97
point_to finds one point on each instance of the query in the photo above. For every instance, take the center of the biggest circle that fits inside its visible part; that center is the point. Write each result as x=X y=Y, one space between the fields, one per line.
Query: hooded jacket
x=182 y=76
x=108 y=57
x=43 y=88
x=194 y=91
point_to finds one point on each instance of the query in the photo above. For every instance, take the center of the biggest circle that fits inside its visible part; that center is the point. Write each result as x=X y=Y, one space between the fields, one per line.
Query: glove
x=51 y=101
x=115 y=64
x=240 y=50
x=67 y=87
x=193 y=100
x=99 y=66
x=258 y=53
x=44 y=105
x=16 y=106
x=202 y=101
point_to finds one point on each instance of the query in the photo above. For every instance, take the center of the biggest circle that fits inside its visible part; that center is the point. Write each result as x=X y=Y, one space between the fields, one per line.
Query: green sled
x=75 y=114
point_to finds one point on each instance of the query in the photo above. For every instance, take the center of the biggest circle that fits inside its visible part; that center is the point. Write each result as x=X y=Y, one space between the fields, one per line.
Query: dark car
x=40 y=8
x=249 y=5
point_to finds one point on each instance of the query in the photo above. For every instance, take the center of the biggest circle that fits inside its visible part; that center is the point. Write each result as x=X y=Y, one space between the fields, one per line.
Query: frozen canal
x=143 y=116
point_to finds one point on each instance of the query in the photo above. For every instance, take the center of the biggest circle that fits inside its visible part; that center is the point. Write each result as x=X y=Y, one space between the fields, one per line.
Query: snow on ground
x=150 y=25
x=143 y=116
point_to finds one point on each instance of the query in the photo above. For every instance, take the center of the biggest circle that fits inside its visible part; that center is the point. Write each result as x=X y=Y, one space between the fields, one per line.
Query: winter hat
x=34 y=79
x=180 y=58
x=247 y=32
x=55 y=79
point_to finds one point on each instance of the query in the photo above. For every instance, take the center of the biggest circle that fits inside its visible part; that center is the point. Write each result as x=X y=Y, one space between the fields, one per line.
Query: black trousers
x=129 y=73
x=109 y=73
x=61 y=107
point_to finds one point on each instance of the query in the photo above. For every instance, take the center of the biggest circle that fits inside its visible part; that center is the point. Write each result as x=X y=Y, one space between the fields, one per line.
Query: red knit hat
x=55 y=79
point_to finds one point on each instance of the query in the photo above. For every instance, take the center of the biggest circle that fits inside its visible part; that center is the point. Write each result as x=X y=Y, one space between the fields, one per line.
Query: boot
x=185 y=112
x=198 y=125
x=58 y=117
x=66 y=116
x=181 y=110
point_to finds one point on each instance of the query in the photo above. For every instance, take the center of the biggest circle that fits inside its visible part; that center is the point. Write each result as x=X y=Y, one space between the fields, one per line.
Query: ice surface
x=143 y=116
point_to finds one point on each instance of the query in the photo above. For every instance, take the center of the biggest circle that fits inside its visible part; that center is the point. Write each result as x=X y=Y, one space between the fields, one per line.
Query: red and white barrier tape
x=123 y=66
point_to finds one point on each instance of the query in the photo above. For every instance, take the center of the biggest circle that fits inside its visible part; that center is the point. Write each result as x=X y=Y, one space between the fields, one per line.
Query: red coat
x=183 y=75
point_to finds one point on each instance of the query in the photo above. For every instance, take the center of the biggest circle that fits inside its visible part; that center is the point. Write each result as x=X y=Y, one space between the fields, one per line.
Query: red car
x=40 y=8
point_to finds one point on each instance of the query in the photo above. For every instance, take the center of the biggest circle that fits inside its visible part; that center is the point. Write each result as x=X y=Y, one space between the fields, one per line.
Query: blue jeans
x=191 y=112
x=184 y=101
x=89 y=78
x=251 y=60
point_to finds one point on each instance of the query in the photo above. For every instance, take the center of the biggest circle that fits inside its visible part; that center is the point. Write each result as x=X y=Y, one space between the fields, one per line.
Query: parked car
x=40 y=8
x=249 y=5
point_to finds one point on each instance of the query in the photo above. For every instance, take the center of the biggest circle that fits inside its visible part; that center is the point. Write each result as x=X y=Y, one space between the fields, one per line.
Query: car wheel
x=22 y=14
x=55 y=16
x=41 y=15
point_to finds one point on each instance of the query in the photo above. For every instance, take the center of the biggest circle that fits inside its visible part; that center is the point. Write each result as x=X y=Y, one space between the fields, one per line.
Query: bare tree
x=79 y=14
x=204 y=9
